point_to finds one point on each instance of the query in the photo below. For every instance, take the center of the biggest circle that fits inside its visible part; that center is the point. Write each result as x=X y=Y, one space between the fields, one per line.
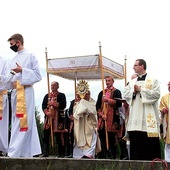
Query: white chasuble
x=85 y=129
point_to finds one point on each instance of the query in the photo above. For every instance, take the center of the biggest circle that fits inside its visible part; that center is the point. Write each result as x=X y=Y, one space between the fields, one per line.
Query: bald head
x=54 y=86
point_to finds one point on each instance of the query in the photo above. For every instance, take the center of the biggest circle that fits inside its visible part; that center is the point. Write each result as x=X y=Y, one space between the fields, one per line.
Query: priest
x=85 y=124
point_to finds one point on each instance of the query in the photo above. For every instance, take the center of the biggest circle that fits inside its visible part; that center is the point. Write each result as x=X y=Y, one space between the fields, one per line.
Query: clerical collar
x=141 y=77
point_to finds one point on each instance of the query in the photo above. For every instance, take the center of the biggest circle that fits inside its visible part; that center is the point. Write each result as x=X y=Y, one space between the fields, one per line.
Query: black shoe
x=37 y=155
x=44 y=155
x=60 y=156
x=69 y=156
x=125 y=158
x=3 y=154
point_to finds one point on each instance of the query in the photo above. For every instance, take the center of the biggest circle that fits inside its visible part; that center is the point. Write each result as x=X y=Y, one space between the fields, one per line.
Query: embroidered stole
x=167 y=140
x=1 y=102
x=151 y=123
x=111 y=124
x=53 y=112
x=21 y=107
x=110 y=113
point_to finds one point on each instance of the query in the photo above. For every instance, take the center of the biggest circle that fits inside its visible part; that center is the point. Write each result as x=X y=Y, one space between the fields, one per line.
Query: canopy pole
x=75 y=83
x=125 y=71
x=48 y=85
x=104 y=104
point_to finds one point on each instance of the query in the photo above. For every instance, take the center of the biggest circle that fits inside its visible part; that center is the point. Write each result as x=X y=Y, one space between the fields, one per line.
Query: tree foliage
x=39 y=125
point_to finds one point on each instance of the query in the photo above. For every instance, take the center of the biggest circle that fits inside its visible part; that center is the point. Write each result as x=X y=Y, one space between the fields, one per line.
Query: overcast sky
x=135 y=28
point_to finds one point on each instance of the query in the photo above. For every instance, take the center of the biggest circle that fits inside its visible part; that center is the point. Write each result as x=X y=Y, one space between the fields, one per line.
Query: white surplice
x=144 y=114
x=5 y=113
x=25 y=143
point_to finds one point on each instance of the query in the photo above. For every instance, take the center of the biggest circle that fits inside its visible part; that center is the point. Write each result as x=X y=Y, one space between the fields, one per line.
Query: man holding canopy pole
x=108 y=118
x=53 y=106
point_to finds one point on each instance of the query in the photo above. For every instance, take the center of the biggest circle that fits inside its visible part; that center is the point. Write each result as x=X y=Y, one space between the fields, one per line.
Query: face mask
x=14 y=48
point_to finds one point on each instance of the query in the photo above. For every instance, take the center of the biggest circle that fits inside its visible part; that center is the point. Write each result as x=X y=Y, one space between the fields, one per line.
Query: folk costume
x=165 y=103
x=144 y=122
x=24 y=141
x=56 y=113
x=112 y=122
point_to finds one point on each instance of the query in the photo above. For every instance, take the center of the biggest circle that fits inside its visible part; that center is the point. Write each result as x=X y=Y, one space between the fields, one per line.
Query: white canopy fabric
x=84 y=67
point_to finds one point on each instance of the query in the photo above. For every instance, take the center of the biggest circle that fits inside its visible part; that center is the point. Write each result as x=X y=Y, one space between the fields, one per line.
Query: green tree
x=39 y=125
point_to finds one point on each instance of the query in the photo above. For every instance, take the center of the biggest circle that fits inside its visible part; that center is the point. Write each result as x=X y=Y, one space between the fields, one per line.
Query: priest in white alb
x=142 y=95
x=85 y=126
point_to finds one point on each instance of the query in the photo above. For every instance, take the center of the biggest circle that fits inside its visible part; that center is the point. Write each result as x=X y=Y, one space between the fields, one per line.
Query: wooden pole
x=48 y=85
x=125 y=71
x=104 y=104
x=75 y=83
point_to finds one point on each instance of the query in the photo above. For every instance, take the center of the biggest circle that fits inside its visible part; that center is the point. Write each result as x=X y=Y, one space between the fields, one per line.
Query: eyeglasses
x=136 y=65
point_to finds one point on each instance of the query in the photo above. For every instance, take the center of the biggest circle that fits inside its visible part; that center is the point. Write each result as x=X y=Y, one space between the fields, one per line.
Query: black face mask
x=14 y=48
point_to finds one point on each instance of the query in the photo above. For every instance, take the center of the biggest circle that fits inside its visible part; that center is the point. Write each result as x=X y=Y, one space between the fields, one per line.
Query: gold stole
x=167 y=139
x=21 y=107
x=1 y=102
x=151 y=121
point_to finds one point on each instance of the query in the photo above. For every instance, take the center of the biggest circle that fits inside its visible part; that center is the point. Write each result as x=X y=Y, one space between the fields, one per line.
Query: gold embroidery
x=21 y=107
x=150 y=120
x=148 y=84
x=1 y=101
